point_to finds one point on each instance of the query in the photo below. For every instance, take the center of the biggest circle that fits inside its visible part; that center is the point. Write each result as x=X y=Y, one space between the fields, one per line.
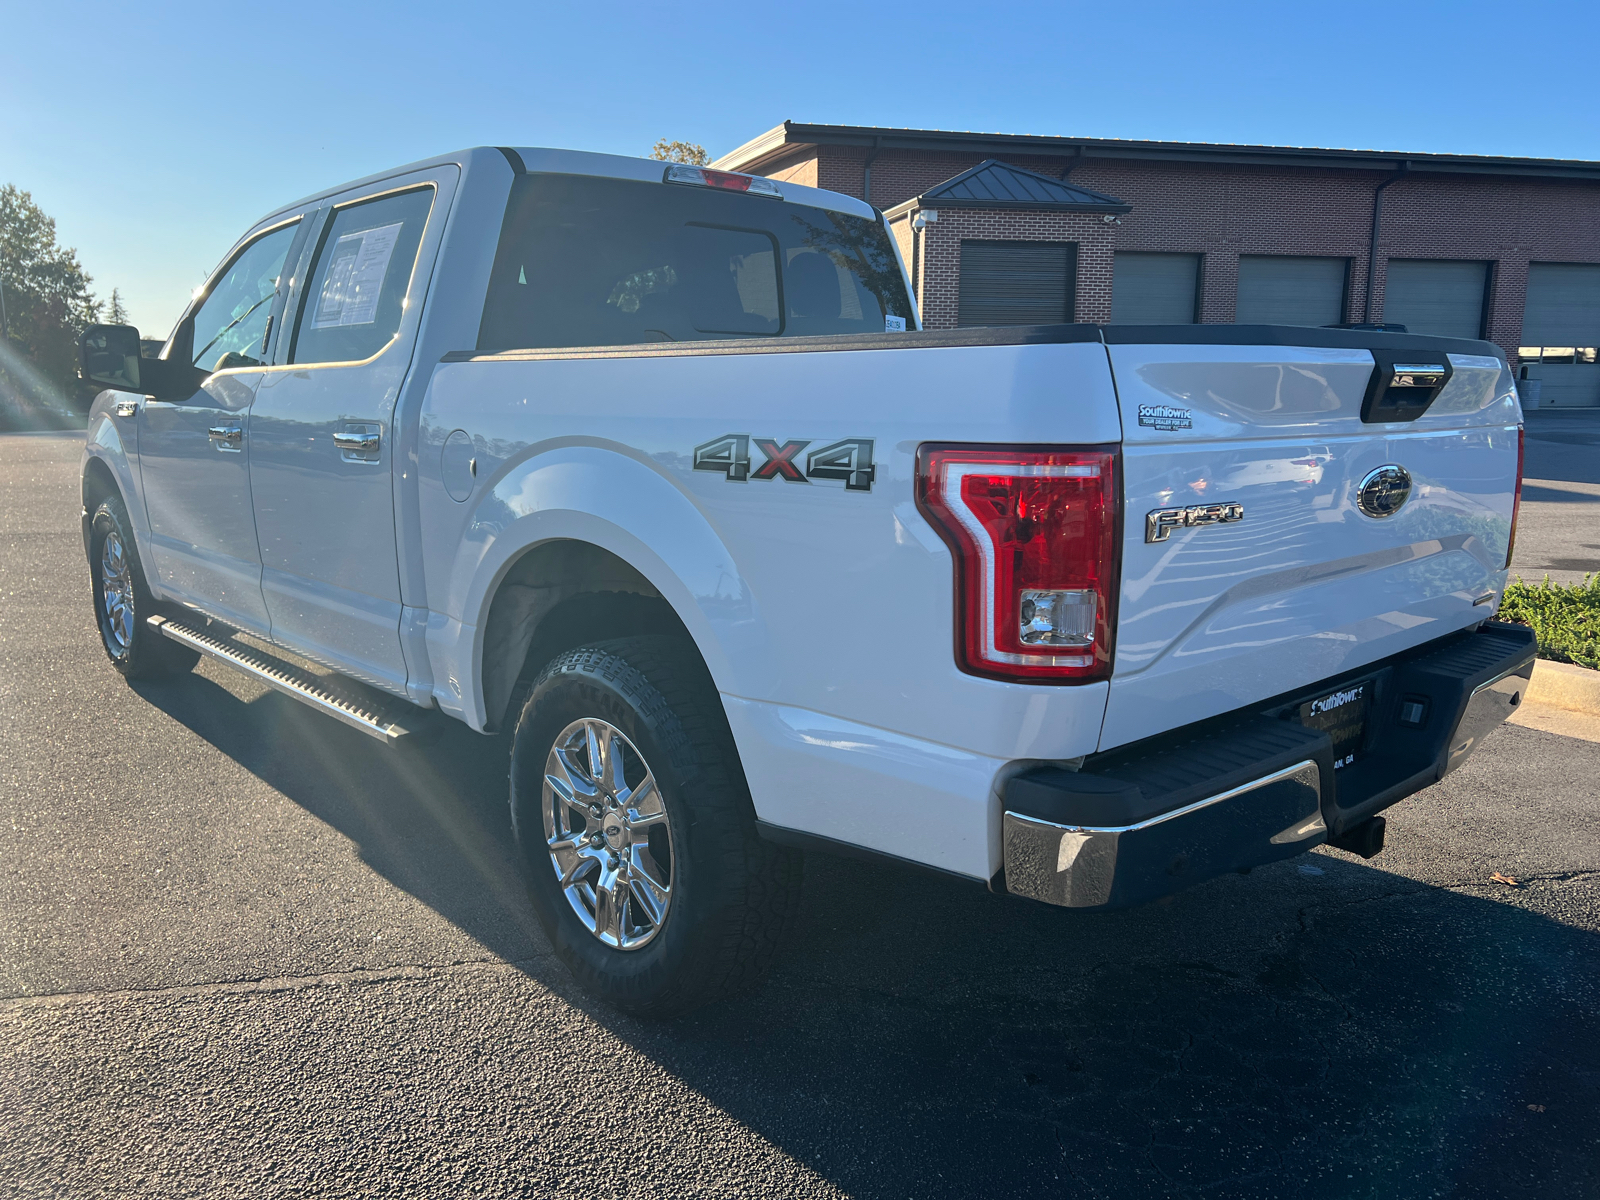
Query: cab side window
x=359 y=279
x=230 y=326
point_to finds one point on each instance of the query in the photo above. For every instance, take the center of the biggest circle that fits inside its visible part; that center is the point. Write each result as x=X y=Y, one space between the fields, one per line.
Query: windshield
x=586 y=261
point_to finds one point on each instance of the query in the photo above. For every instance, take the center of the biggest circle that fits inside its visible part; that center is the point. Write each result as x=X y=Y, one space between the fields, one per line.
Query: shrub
x=1566 y=617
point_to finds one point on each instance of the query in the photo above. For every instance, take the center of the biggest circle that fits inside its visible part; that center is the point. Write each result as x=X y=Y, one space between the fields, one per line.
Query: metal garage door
x=1561 y=332
x=1017 y=283
x=1154 y=289
x=1283 y=290
x=1444 y=298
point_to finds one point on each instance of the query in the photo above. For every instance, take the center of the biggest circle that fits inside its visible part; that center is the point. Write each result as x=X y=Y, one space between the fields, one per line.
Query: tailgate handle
x=1419 y=375
x=1403 y=385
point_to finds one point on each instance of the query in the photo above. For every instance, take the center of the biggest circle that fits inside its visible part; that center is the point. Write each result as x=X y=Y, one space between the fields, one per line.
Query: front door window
x=230 y=326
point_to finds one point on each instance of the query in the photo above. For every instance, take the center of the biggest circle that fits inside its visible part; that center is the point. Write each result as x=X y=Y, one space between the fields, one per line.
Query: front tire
x=633 y=818
x=122 y=600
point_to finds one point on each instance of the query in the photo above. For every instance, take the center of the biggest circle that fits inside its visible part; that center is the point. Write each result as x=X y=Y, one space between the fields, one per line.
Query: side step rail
x=304 y=688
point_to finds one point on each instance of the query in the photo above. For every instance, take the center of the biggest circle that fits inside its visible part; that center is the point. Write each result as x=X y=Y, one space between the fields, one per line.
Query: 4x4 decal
x=780 y=460
x=849 y=460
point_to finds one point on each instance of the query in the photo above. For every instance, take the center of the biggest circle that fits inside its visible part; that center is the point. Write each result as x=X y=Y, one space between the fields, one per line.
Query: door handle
x=357 y=443
x=226 y=436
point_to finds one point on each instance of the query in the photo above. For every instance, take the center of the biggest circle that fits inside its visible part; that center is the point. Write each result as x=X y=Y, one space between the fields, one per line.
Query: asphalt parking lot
x=250 y=952
x=1559 y=528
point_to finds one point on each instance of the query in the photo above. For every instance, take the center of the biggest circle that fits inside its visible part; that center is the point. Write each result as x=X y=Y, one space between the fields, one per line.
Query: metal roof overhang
x=1029 y=205
x=925 y=201
x=757 y=153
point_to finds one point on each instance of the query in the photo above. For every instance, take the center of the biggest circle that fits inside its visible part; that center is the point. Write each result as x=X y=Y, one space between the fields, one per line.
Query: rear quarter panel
x=805 y=594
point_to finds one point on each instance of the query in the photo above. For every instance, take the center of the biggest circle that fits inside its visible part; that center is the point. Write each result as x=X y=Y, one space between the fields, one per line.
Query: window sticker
x=354 y=280
x=893 y=324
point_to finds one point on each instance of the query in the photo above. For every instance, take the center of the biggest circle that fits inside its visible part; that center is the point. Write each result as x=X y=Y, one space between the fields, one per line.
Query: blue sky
x=155 y=135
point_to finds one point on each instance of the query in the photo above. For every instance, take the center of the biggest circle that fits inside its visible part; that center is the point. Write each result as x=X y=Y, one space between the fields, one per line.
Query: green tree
x=48 y=302
x=116 y=313
x=680 y=152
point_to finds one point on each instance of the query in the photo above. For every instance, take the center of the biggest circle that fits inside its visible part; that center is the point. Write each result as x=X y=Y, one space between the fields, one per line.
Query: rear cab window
x=587 y=261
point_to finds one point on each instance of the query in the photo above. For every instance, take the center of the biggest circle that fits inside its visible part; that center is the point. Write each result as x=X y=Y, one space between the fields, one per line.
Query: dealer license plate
x=1342 y=715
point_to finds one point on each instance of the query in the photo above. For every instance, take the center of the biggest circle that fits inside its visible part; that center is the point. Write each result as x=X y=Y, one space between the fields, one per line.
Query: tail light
x=1516 y=502
x=1033 y=531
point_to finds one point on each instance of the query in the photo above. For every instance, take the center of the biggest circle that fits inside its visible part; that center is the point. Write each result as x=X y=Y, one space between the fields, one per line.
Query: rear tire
x=122 y=600
x=625 y=780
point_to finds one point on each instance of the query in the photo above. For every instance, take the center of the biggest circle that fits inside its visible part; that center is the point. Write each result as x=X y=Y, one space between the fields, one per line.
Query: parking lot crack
x=280 y=983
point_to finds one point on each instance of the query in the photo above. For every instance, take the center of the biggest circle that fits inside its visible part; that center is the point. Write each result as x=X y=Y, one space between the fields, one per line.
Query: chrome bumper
x=1141 y=822
x=1078 y=866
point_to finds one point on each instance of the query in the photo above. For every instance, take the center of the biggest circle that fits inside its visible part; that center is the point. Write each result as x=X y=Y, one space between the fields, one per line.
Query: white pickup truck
x=652 y=468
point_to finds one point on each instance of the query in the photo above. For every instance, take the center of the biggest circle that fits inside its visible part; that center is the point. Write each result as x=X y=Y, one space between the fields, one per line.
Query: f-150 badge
x=1161 y=522
x=849 y=460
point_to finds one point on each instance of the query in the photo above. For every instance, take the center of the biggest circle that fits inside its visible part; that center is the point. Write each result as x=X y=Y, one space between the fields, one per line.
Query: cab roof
x=538 y=160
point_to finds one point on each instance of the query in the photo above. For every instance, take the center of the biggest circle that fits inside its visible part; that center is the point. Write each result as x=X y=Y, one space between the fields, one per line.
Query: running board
x=304 y=688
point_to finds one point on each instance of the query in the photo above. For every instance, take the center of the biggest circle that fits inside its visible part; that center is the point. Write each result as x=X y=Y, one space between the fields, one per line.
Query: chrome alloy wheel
x=607 y=831
x=116 y=594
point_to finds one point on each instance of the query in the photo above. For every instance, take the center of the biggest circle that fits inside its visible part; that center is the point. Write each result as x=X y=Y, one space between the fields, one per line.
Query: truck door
x=322 y=464
x=194 y=453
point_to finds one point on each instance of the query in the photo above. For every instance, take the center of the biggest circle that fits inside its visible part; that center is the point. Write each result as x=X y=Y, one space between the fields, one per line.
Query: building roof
x=993 y=184
x=776 y=144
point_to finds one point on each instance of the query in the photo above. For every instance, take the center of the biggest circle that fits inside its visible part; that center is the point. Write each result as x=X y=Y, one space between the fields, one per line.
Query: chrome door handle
x=226 y=435
x=359 y=443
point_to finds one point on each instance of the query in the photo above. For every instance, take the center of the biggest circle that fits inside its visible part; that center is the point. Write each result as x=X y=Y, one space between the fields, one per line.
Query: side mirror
x=113 y=356
x=110 y=355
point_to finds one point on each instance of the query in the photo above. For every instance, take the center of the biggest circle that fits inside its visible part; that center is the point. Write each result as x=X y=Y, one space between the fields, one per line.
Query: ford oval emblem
x=1383 y=491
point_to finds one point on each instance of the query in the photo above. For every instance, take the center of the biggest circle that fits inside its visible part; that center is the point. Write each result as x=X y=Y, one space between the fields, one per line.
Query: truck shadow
x=1562 y=451
x=1550 y=495
x=1334 y=1032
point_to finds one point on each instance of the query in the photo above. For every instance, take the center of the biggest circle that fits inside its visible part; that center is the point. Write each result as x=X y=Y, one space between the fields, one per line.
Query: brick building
x=1012 y=229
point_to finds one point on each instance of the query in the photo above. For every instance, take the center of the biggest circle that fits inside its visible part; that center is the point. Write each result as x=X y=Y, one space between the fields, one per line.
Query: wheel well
x=98 y=483
x=557 y=596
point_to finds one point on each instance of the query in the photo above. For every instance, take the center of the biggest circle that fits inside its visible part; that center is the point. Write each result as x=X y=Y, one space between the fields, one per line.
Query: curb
x=1562 y=685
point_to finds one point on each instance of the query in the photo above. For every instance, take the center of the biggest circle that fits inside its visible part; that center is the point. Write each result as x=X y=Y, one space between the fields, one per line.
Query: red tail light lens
x=1033 y=531
x=1516 y=502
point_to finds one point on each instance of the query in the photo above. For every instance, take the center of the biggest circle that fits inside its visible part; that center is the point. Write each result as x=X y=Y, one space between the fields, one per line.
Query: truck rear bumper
x=1253 y=787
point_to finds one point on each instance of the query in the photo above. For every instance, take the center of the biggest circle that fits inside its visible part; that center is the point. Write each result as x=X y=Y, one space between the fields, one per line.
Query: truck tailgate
x=1303 y=586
